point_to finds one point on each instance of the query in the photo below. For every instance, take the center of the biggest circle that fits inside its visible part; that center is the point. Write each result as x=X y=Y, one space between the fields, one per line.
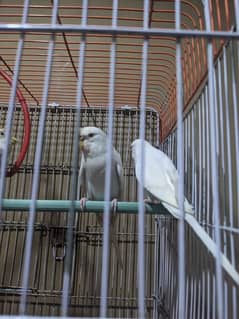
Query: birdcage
x=163 y=71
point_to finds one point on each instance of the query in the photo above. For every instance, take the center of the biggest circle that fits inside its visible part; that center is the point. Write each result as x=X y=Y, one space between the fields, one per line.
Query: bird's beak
x=14 y=140
x=81 y=144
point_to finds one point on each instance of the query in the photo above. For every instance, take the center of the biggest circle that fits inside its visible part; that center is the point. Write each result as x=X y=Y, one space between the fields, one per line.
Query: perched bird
x=93 y=146
x=160 y=177
x=161 y=182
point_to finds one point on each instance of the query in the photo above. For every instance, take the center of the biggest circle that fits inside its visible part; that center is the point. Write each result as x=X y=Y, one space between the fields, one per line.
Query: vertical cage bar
x=237 y=13
x=156 y=266
x=203 y=162
x=236 y=134
x=203 y=307
x=200 y=151
x=37 y=163
x=229 y=163
x=11 y=105
x=214 y=166
x=207 y=144
x=75 y=159
x=235 y=117
x=106 y=218
x=193 y=159
x=141 y=214
x=180 y=165
x=228 y=129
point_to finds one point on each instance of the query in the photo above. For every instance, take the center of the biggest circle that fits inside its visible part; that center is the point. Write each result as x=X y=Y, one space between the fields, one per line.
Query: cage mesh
x=49 y=243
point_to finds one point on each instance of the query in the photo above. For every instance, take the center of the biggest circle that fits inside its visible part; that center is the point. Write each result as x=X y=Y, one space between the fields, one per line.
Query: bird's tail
x=114 y=241
x=212 y=247
x=188 y=207
x=205 y=239
x=113 y=238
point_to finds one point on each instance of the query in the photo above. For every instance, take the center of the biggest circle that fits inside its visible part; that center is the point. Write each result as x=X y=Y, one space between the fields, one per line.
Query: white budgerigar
x=93 y=144
x=160 y=177
x=161 y=182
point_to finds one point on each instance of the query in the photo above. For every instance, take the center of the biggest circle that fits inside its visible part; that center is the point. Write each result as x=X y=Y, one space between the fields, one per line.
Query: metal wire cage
x=163 y=71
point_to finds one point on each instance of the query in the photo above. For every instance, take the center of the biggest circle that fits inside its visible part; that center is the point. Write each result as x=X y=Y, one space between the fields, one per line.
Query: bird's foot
x=114 y=203
x=151 y=201
x=83 y=201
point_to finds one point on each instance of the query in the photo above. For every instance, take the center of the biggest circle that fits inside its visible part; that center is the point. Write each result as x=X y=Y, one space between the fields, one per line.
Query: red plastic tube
x=27 y=128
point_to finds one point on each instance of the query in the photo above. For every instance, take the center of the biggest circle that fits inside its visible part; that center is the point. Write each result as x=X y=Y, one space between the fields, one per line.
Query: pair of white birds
x=160 y=174
x=160 y=181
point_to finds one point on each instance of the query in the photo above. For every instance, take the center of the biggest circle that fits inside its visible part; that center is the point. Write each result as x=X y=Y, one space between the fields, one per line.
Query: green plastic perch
x=91 y=206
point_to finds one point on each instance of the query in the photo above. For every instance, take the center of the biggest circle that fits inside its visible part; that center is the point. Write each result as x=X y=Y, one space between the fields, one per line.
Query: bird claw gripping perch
x=83 y=201
x=152 y=201
x=114 y=206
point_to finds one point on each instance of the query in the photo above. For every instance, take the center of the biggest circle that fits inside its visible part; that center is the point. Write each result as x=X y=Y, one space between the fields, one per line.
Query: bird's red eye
x=91 y=134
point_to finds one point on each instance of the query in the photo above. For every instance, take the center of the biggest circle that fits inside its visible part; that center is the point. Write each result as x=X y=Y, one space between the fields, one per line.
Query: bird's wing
x=172 y=177
x=170 y=171
x=156 y=178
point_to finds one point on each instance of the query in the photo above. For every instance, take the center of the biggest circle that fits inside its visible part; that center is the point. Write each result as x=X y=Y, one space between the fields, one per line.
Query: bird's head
x=92 y=141
x=133 y=148
x=136 y=147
